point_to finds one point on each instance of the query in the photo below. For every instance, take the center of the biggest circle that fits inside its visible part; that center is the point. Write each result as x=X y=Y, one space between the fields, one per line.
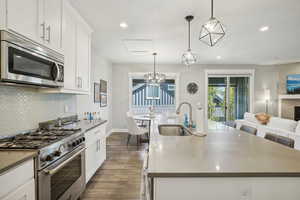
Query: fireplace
x=297 y=113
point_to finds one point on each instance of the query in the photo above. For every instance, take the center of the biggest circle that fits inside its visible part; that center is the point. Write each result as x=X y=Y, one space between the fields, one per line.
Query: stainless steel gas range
x=60 y=166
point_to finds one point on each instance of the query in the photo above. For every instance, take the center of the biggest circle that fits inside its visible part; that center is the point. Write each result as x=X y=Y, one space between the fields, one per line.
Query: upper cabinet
x=52 y=23
x=58 y=26
x=76 y=45
x=83 y=55
x=43 y=20
x=17 y=11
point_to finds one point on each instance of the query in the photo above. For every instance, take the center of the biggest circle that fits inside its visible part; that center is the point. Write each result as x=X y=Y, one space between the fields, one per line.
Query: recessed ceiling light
x=123 y=25
x=264 y=28
x=219 y=57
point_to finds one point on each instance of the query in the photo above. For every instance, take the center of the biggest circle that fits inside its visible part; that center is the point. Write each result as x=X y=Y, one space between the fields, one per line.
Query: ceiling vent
x=139 y=46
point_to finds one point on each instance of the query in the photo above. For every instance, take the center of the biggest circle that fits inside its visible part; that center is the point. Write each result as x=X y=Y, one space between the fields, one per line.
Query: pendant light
x=154 y=78
x=189 y=58
x=213 y=30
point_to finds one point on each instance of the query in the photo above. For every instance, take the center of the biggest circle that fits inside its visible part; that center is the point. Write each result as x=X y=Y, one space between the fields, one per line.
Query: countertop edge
x=223 y=175
x=95 y=125
x=5 y=169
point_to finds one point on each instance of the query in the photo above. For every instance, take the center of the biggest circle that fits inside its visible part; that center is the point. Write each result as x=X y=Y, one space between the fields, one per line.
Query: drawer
x=24 y=192
x=16 y=177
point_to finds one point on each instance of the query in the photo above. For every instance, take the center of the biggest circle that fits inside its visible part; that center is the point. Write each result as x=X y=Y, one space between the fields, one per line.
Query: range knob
x=57 y=153
x=74 y=144
x=49 y=158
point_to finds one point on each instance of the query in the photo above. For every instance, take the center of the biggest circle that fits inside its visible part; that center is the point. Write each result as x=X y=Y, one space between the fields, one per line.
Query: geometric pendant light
x=189 y=58
x=212 y=31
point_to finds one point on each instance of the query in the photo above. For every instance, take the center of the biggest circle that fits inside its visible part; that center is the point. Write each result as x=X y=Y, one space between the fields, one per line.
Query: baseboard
x=116 y=130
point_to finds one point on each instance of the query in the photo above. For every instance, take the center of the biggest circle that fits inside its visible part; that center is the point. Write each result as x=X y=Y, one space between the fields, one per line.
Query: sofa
x=279 y=126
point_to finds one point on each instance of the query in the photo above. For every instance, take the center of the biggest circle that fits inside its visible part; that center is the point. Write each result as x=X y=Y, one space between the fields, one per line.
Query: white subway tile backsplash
x=23 y=108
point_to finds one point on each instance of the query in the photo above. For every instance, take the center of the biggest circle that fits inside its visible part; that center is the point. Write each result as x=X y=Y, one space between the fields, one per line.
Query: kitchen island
x=226 y=164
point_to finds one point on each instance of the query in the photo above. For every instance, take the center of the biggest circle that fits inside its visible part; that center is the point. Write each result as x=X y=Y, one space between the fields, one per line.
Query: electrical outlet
x=246 y=194
x=66 y=108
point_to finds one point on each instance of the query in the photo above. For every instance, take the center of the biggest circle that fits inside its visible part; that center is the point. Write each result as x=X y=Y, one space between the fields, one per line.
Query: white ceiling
x=163 y=22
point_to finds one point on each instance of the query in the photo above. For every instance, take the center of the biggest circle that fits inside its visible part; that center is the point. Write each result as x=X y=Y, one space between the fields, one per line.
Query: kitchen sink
x=173 y=130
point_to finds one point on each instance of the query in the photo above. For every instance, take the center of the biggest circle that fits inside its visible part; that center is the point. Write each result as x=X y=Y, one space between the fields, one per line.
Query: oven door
x=65 y=179
x=21 y=65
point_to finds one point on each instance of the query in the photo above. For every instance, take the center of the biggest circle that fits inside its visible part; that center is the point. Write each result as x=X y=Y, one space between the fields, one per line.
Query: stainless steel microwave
x=25 y=62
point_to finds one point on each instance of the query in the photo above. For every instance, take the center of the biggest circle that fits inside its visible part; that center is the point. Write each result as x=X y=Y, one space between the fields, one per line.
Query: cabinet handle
x=78 y=82
x=99 y=145
x=43 y=30
x=49 y=34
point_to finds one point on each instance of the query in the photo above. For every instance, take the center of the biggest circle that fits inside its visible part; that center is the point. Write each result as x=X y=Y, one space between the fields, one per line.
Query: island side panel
x=244 y=188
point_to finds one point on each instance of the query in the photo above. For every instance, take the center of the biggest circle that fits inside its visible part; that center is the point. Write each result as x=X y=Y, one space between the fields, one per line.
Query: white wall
x=265 y=77
x=100 y=69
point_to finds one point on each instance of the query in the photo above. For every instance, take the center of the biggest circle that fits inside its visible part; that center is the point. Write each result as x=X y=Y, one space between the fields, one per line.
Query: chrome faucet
x=190 y=125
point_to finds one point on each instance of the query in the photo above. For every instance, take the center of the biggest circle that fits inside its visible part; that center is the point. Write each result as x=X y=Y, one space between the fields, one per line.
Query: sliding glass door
x=228 y=97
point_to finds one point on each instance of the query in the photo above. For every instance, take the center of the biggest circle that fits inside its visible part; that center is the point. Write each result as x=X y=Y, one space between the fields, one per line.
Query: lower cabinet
x=18 y=183
x=212 y=188
x=95 y=153
x=25 y=192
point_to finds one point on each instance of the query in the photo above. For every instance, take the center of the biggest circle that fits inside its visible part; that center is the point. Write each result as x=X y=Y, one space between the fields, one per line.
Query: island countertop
x=223 y=152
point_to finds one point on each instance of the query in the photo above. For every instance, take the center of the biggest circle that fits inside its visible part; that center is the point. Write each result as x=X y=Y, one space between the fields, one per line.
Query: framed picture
x=103 y=86
x=96 y=93
x=103 y=93
x=103 y=100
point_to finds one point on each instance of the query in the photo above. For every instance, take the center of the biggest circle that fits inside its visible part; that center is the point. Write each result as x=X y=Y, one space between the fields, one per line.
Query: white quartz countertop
x=223 y=152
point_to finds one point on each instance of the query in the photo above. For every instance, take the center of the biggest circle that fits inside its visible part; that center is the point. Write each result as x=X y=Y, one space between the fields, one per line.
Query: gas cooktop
x=36 y=139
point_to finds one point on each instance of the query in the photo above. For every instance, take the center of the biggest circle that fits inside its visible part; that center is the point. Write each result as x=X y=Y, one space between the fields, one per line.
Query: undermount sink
x=173 y=130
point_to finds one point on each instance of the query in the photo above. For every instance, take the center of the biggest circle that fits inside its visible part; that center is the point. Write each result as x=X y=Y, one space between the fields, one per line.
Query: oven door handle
x=54 y=170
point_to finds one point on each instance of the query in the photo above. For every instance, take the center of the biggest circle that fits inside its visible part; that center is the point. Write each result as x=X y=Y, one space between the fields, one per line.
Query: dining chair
x=231 y=124
x=133 y=129
x=249 y=129
x=280 y=139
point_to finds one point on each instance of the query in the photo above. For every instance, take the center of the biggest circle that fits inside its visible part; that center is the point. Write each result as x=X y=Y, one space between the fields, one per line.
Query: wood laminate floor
x=120 y=175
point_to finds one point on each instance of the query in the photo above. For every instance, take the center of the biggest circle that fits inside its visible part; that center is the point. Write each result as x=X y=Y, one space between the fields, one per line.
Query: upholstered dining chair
x=133 y=129
x=249 y=129
x=280 y=139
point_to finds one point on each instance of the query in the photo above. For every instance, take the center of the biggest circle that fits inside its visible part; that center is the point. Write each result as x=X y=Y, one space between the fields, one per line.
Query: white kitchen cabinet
x=23 y=17
x=38 y=20
x=240 y=188
x=24 y=192
x=95 y=150
x=18 y=183
x=83 y=54
x=76 y=45
x=69 y=47
x=52 y=19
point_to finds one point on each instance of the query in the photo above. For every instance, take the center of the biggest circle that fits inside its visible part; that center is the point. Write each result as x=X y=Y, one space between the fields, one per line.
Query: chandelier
x=213 y=30
x=189 y=58
x=154 y=78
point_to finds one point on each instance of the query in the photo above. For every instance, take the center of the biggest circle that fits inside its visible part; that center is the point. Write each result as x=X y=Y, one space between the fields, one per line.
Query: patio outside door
x=228 y=97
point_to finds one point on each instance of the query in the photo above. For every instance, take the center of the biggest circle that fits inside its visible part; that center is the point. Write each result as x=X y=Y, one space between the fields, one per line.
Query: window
x=161 y=97
x=152 y=92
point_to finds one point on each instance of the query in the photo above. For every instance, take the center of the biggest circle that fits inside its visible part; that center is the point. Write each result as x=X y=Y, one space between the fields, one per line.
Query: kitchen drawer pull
x=43 y=30
x=49 y=33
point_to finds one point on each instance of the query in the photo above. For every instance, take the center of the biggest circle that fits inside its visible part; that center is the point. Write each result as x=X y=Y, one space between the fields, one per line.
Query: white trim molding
x=229 y=73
